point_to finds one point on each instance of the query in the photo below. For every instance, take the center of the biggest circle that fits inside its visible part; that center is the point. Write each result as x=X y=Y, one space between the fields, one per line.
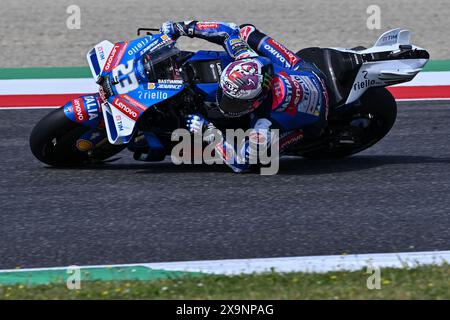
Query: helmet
x=244 y=85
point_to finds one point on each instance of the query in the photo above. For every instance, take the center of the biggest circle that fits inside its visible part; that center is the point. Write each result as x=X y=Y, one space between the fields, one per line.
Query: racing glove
x=197 y=124
x=177 y=29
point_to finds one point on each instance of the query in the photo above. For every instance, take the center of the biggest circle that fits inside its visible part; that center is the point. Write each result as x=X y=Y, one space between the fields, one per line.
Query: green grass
x=431 y=282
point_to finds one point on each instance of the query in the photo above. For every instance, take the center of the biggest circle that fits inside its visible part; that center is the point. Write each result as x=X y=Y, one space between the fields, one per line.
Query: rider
x=266 y=80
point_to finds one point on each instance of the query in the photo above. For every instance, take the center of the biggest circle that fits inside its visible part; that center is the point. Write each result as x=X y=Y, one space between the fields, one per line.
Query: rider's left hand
x=169 y=28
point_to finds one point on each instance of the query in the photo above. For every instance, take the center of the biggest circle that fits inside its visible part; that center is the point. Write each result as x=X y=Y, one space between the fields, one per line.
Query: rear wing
x=393 y=37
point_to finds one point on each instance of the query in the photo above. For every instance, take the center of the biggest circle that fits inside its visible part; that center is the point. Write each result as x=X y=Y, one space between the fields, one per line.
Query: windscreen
x=161 y=64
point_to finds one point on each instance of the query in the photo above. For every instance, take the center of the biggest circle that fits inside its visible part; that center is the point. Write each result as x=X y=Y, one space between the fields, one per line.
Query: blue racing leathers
x=298 y=102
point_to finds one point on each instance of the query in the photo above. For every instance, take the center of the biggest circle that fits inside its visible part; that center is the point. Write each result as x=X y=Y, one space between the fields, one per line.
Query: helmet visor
x=232 y=107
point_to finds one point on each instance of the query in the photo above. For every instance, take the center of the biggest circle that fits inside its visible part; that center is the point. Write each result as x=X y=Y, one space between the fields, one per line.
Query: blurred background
x=34 y=33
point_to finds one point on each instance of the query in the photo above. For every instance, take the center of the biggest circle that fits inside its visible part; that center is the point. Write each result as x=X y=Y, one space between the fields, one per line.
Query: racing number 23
x=127 y=80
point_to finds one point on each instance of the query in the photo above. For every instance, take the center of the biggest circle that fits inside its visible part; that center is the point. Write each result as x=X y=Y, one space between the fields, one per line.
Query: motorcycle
x=147 y=86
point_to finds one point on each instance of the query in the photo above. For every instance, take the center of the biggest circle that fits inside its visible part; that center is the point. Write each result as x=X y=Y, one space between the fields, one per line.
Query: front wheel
x=362 y=128
x=54 y=140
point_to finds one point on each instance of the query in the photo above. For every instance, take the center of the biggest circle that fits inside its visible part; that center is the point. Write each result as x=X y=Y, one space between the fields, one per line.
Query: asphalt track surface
x=394 y=197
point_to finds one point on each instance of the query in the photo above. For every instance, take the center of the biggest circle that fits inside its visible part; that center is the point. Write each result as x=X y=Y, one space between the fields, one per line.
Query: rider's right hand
x=196 y=123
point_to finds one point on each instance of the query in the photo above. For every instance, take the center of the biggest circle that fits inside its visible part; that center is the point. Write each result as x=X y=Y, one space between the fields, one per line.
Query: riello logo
x=363 y=84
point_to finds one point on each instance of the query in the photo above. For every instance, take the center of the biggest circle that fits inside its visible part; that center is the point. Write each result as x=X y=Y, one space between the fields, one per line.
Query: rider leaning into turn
x=266 y=80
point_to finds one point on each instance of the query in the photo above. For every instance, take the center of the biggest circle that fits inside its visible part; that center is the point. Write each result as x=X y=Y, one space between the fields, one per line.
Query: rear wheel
x=361 y=129
x=54 y=142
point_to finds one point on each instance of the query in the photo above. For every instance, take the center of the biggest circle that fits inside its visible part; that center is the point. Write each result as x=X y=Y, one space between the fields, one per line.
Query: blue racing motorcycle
x=147 y=86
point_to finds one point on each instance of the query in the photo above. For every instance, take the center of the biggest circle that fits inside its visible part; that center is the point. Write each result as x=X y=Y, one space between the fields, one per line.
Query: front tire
x=53 y=142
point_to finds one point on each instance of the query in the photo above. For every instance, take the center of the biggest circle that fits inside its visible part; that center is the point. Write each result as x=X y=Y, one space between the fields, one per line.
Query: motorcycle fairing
x=132 y=93
x=97 y=57
x=384 y=73
x=394 y=36
x=388 y=71
x=84 y=110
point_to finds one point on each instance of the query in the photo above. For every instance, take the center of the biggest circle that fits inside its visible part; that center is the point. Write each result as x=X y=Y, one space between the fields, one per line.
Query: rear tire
x=53 y=142
x=381 y=105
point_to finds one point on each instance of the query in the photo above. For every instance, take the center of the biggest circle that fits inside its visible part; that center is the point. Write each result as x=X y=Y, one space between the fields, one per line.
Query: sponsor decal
x=152 y=95
x=286 y=56
x=101 y=52
x=310 y=102
x=102 y=94
x=119 y=122
x=138 y=46
x=165 y=85
x=84 y=145
x=389 y=38
x=363 y=84
x=297 y=92
x=155 y=45
x=245 y=32
x=243 y=55
x=115 y=56
x=207 y=25
x=234 y=41
x=126 y=108
x=277 y=55
x=366 y=83
x=149 y=47
x=239 y=46
x=278 y=92
x=79 y=110
x=170 y=81
x=112 y=56
x=168 y=86
x=134 y=102
x=91 y=104
x=286 y=104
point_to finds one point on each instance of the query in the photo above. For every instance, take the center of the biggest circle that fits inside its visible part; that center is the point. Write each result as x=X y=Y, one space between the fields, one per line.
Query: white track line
x=54 y=107
x=26 y=108
x=88 y=85
x=47 y=86
x=317 y=264
x=438 y=78
x=424 y=99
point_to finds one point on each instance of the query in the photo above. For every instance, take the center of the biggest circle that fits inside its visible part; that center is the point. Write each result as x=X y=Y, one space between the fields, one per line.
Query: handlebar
x=148 y=31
